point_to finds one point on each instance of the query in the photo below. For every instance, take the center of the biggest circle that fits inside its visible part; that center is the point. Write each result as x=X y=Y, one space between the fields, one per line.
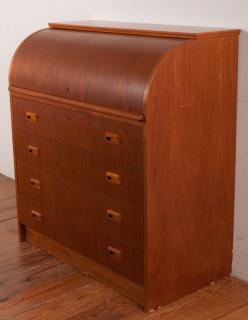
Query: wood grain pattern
x=45 y=115
x=151 y=30
x=98 y=271
x=117 y=80
x=93 y=207
x=191 y=230
x=80 y=130
x=47 y=225
x=67 y=163
x=8 y=202
x=35 y=285
x=240 y=314
x=6 y=190
x=60 y=102
x=21 y=227
x=71 y=229
x=88 y=133
x=7 y=214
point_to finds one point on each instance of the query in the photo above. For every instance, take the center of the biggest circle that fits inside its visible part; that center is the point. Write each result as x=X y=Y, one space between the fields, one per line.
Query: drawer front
x=104 y=176
x=33 y=117
x=118 y=219
x=111 y=139
x=103 y=213
x=37 y=184
x=121 y=258
x=108 y=138
x=35 y=152
x=37 y=216
x=68 y=229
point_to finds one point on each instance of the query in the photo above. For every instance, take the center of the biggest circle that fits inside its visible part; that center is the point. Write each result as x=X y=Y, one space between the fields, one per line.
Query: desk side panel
x=190 y=166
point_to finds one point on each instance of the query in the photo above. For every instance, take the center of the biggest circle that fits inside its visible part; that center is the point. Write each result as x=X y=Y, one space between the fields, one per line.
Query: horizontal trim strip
x=148 y=32
x=151 y=33
x=82 y=105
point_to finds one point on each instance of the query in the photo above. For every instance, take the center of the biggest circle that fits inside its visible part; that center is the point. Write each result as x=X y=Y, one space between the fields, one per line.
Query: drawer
x=104 y=176
x=37 y=216
x=111 y=178
x=37 y=184
x=34 y=118
x=111 y=139
x=108 y=138
x=35 y=152
x=121 y=258
x=112 y=217
x=68 y=229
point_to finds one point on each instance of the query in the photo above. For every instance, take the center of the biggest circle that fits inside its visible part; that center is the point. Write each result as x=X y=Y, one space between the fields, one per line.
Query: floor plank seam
x=7 y=219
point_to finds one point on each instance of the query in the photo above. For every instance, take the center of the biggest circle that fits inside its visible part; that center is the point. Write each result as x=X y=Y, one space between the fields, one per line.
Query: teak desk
x=124 y=142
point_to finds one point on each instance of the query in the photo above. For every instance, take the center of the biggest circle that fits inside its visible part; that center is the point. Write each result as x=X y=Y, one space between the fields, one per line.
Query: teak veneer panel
x=79 y=106
x=72 y=199
x=81 y=130
x=67 y=163
x=169 y=105
x=191 y=217
x=71 y=230
x=118 y=80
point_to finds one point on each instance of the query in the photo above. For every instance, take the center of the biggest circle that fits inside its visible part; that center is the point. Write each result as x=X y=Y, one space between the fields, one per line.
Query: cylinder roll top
x=109 y=70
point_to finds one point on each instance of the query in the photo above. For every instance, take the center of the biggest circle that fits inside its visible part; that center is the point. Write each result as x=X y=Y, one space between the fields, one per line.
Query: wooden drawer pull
x=115 y=253
x=111 y=137
x=35 y=183
x=113 y=216
x=34 y=151
x=113 y=177
x=31 y=116
x=37 y=216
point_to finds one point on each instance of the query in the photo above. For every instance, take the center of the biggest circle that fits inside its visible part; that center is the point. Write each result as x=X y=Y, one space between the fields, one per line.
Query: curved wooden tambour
x=109 y=70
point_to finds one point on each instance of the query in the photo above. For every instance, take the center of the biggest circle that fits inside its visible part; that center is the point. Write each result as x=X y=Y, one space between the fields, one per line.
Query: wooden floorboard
x=8 y=213
x=8 y=203
x=239 y=314
x=37 y=286
x=3 y=178
x=7 y=189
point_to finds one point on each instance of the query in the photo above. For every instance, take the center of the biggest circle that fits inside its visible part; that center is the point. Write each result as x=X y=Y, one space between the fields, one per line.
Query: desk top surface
x=154 y=30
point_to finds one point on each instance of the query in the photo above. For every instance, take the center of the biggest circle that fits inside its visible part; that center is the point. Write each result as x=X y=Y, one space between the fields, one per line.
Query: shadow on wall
x=240 y=252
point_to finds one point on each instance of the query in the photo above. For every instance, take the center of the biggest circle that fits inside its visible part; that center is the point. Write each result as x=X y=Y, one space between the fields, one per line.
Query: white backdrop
x=20 y=18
